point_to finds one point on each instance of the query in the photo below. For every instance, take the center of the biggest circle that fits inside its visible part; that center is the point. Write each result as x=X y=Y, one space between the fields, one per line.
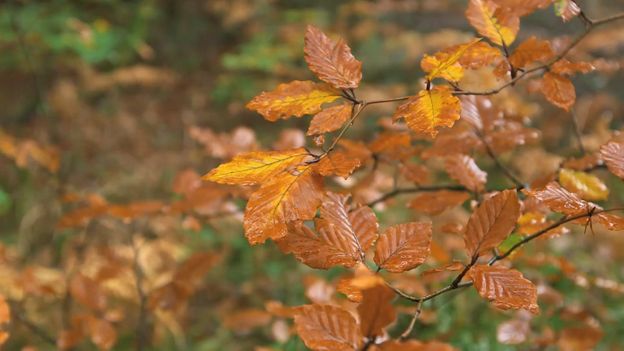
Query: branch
x=519 y=184
x=19 y=316
x=424 y=188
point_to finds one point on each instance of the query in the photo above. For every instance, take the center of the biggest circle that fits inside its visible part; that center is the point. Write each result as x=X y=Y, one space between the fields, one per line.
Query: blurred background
x=126 y=103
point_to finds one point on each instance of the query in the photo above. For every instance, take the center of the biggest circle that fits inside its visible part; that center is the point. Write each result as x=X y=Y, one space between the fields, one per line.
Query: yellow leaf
x=445 y=64
x=493 y=21
x=256 y=167
x=430 y=110
x=587 y=186
x=296 y=98
x=291 y=196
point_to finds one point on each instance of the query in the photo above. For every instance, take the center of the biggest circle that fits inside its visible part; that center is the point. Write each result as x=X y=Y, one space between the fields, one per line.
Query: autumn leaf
x=464 y=170
x=587 y=186
x=297 y=98
x=529 y=51
x=479 y=55
x=415 y=173
x=87 y=291
x=505 y=288
x=291 y=196
x=328 y=328
x=558 y=199
x=433 y=203
x=403 y=247
x=558 y=90
x=430 y=110
x=446 y=64
x=566 y=9
x=330 y=119
x=493 y=22
x=491 y=222
x=568 y=68
x=331 y=61
x=256 y=167
x=613 y=155
x=337 y=163
x=376 y=310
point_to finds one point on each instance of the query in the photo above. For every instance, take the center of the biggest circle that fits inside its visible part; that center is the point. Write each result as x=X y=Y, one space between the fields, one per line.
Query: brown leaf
x=376 y=310
x=431 y=109
x=558 y=199
x=579 y=338
x=328 y=328
x=360 y=223
x=558 y=90
x=102 y=333
x=324 y=250
x=610 y=221
x=492 y=222
x=613 y=155
x=403 y=247
x=244 y=321
x=464 y=170
x=337 y=163
x=529 y=51
x=413 y=345
x=505 y=287
x=331 y=61
x=296 y=98
x=479 y=55
x=415 y=173
x=330 y=119
x=291 y=196
x=433 y=203
x=565 y=67
x=583 y=163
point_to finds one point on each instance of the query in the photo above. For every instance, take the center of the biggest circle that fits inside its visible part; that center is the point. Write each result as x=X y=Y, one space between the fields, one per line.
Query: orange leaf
x=464 y=170
x=430 y=110
x=330 y=119
x=610 y=221
x=434 y=203
x=376 y=310
x=565 y=67
x=296 y=98
x=331 y=61
x=492 y=222
x=613 y=155
x=337 y=163
x=403 y=247
x=246 y=320
x=102 y=333
x=86 y=291
x=256 y=167
x=558 y=199
x=529 y=51
x=328 y=328
x=291 y=196
x=415 y=173
x=558 y=90
x=445 y=64
x=493 y=22
x=505 y=287
x=587 y=186
x=413 y=345
x=479 y=55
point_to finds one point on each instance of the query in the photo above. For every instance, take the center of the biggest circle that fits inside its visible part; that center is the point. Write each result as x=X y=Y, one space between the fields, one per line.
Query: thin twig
x=423 y=188
x=412 y=323
x=519 y=184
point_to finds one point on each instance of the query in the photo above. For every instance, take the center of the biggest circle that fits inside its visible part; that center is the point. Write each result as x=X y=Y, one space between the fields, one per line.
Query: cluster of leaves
x=290 y=205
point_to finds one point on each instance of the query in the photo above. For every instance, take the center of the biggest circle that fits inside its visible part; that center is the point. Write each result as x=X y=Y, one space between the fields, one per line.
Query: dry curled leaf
x=329 y=119
x=328 y=328
x=492 y=222
x=331 y=61
x=493 y=21
x=464 y=170
x=505 y=288
x=292 y=196
x=376 y=310
x=558 y=90
x=403 y=247
x=436 y=202
x=296 y=98
x=430 y=110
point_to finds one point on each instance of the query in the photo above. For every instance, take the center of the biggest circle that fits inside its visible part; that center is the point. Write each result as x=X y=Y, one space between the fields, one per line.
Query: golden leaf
x=430 y=110
x=296 y=98
x=493 y=21
x=587 y=186
x=256 y=167
x=445 y=64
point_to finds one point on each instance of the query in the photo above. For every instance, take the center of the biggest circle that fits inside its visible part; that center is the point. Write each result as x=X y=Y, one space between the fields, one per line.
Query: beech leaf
x=376 y=310
x=328 y=328
x=505 y=288
x=429 y=110
x=464 y=170
x=493 y=21
x=613 y=155
x=558 y=90
x=403 y=247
